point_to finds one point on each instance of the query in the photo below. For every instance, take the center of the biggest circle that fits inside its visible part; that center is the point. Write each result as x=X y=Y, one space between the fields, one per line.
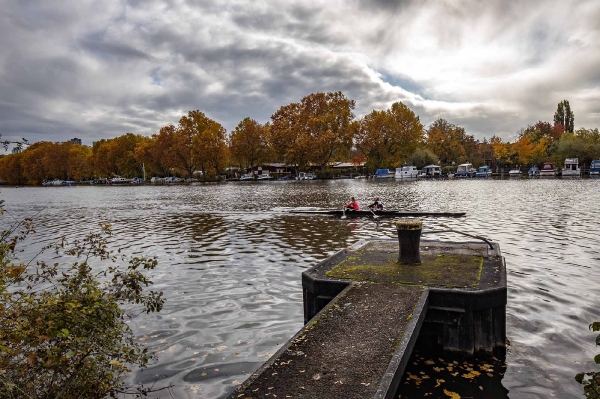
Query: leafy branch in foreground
x=64 y=331
x=591 y=380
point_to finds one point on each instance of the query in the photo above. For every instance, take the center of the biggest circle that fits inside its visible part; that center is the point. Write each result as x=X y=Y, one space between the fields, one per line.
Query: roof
x=348 y=164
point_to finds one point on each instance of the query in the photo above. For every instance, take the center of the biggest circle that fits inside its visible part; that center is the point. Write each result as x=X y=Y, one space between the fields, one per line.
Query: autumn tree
x=287 y=137
x=34 y=170
x=524 y=150
x=448 y=141
x=388 y=137
x=326 y=118
x=212 y=148
x=502 y=151
x=155 y=152
x=11 y=169
x=198 y=142
x=117 y=156
x=564 y=116
x=316 y=130
x=248 y=143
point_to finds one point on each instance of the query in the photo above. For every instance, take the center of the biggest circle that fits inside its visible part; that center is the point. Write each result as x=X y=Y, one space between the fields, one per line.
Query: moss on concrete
x=446 y=270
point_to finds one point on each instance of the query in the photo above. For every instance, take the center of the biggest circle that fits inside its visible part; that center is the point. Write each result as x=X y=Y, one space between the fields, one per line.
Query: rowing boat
x=339 y=212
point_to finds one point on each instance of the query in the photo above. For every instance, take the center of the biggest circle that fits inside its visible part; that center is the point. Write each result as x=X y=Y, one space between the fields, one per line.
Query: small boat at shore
x=384 y=213
x=465 y=170
x=571 y=167
x=534 y=171
x=407 y=172
x=384 y=174
x=548 y=169
x=483 y=171
x=595 y=168
x=516 y=172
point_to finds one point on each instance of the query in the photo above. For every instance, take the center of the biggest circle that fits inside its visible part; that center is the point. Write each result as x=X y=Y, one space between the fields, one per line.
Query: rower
x=352 y=205
x=377 y=204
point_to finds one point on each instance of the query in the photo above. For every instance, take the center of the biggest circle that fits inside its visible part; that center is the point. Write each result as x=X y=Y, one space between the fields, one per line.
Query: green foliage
x=64 y=329
x=421 y=158
x=564 y=116
x=591 y=380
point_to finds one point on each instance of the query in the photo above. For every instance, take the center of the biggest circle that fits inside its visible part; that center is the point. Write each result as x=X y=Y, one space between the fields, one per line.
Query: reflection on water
x=230 y=258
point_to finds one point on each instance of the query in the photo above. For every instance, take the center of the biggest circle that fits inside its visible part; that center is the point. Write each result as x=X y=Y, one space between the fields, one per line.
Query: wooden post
x=409 y=239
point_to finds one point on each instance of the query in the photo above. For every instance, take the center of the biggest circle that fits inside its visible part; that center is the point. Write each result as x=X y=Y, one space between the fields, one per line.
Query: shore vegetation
x=316 y=132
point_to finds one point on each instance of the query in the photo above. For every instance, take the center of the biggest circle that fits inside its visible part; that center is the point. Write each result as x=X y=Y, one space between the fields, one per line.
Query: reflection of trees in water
x=328 y=234
x=290 y=235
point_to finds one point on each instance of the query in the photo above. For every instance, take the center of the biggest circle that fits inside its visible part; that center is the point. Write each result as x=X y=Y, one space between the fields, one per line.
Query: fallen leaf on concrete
x=452 y=395
x=472 y=374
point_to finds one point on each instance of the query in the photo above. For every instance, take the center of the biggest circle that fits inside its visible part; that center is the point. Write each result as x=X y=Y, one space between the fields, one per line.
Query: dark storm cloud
x=99 y=70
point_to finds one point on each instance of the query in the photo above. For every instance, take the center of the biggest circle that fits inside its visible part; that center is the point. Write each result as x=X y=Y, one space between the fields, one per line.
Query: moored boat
x=571 y=167
x=431 y=171
x=595 y=168
x=247 y=177
x=407 y=172
x=483 y=171
x=119 y=180
x=548 y=169
x=465 y=170
x=515 y=172
x=534 y=171
x=383 y=174
x=263 y=176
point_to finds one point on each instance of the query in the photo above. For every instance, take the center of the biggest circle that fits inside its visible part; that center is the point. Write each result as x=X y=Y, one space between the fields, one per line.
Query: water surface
x=230 y=259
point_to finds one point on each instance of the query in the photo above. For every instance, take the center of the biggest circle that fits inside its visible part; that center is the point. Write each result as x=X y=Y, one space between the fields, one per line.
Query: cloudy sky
x=98 y=69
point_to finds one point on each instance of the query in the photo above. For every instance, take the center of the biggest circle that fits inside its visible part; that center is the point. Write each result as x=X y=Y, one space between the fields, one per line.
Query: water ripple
x=230 y=258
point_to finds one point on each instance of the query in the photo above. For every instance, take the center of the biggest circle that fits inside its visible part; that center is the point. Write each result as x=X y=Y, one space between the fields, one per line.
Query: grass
x=434 y=270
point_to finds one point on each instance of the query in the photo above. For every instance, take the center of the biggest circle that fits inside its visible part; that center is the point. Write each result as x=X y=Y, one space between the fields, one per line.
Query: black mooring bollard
x=409 y=238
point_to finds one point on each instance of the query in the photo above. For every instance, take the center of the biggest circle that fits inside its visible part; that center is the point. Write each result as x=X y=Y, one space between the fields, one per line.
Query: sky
x=97 y=69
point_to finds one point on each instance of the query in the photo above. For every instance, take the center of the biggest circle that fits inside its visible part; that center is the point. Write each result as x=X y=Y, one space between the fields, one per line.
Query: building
x=75 y=141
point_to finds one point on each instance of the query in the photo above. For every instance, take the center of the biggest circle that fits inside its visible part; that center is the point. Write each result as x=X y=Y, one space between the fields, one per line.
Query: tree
x=564 y=116
x=248 y=143
x=446 y=141
x=327 y=121
x=156 y=153
x=287 y=137
x=212 y=147
x=64 y=330
x=502 y=151
x=316 y=130
x=388 y=137
x=198 y=142
x=422 y=157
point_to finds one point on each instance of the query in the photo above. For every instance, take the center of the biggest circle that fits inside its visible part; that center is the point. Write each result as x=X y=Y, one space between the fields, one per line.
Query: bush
x=591 y=380
x=64 y=332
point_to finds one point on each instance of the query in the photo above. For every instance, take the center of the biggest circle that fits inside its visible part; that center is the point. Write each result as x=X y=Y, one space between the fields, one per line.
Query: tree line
x=318 y=130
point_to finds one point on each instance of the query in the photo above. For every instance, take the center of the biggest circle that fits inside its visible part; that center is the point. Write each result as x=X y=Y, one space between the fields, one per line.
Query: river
x=230 y=259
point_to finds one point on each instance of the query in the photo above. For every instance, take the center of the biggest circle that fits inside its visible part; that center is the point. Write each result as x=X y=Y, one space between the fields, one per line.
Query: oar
x=343 y=213
x=374 y=215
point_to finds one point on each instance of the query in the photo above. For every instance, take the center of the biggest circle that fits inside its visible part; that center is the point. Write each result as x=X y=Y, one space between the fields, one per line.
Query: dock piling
x=409 y=240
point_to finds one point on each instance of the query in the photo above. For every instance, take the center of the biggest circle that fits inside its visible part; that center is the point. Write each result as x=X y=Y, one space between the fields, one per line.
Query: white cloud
x=100 y=69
